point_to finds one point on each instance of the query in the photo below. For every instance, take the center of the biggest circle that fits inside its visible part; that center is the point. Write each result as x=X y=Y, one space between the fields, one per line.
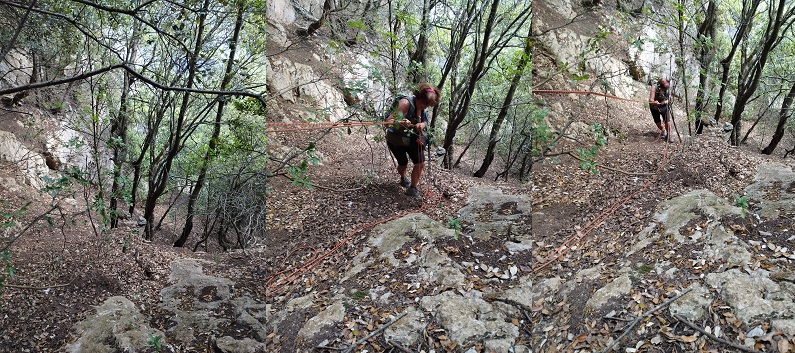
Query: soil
x=64 y=269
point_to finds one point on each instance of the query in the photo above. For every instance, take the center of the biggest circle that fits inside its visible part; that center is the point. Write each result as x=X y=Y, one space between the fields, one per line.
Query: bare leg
x=401 y=169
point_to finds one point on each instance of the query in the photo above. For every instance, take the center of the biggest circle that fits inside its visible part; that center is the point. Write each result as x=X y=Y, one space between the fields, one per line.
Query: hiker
x=407 y=121
x=658 y=104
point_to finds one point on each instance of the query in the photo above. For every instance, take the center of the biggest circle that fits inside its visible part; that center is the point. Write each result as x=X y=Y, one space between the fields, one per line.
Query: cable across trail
x=587 y=93
x=311 y=126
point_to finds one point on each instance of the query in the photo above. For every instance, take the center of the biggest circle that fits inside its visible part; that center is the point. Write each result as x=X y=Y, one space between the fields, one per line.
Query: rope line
x=555 y=91
x=310 y=126
x=280 y=280
x=580 y=234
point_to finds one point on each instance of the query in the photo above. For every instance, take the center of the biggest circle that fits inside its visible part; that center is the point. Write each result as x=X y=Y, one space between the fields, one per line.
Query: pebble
x=755 y=332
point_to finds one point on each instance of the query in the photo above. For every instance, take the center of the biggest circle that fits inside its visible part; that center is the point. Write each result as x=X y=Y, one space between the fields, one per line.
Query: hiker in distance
x=406 y=123
x=658 y=104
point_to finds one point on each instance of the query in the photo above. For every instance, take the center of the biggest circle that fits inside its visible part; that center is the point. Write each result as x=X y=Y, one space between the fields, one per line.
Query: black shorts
x=413 y=151
x=659 y=117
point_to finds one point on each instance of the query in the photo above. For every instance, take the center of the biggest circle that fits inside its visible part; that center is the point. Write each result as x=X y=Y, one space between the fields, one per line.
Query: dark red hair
x=427 y=94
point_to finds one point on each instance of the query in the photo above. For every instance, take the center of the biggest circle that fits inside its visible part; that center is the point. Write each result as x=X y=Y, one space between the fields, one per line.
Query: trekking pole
x=671 y=113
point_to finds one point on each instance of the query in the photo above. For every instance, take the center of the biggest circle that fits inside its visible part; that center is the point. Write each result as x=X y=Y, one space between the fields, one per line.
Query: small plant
x=454 y=224
x=359 y=295
x=742 y=203
x=154 y=342
x=644 y=269
x=588 y=155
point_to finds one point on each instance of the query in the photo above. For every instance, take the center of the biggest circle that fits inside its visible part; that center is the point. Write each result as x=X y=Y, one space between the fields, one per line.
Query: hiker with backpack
x=658 y=104
x=404 y=134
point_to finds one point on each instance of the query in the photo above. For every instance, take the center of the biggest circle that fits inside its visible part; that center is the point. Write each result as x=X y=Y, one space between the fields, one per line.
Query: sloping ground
x=680 y=243
x=478 y=289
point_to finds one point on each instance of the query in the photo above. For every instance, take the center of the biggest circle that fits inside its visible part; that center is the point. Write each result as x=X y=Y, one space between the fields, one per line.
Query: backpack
x=397 y=135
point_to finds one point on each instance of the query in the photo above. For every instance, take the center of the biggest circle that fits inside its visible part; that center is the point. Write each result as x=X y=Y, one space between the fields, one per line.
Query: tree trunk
x=681 y=60
x=495 y=129
x=748 y=13
x=159 y=180
x=706 y=50
x=196 y=192
x=118 y=131
x=751 y=69
x=478 y=65
x=418 y=59
x=783 y=116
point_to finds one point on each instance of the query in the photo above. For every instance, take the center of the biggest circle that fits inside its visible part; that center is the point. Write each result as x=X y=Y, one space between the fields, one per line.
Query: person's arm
x=652 y=95
x=421 y=125
x=400 y=113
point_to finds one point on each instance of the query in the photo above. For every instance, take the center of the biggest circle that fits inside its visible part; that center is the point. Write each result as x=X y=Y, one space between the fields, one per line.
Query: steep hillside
x=682 y=246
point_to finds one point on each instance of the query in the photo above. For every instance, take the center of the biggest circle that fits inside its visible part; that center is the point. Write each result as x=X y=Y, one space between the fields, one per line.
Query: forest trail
x=673 y=236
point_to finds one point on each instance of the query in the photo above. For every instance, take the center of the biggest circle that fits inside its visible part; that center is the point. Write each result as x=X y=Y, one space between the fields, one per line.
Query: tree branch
x=137 y=75
x=637 y=320
x=713 y=337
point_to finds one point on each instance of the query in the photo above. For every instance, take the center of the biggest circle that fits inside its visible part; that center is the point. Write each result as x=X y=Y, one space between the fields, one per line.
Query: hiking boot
x=413 y=192
x=404 y=182
x=664 y=135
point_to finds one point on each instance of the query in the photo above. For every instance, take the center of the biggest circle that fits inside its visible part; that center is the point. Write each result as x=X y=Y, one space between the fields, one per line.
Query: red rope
x=554 y=91
x=310 y=126
x=579 y=235
x=280 y=280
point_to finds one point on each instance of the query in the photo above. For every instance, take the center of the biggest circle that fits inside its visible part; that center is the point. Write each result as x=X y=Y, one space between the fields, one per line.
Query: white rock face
x=15 y=70
x=469 y=318
x=293 y=80
x=289 y=11
x=30 y=165
x=116 y=326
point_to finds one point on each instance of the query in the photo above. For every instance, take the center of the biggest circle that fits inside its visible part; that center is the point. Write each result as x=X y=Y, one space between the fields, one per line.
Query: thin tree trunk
x=196 y=192
x=706 y=34
x=497 y=126
x=159 y=180
x=681 y=60
x=783 y=116
x=118 y=131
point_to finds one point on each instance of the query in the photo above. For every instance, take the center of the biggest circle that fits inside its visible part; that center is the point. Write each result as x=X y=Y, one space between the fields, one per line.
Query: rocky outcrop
x=30 y=165
x=200 y=305
x=116 y=326
x=484 y=315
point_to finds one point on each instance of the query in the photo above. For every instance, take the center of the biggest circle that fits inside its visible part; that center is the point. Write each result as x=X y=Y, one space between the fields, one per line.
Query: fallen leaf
x=689 y=339
x=783 y=346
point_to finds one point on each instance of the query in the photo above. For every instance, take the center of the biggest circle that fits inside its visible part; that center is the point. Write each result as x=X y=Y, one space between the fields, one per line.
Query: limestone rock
x=756 y=297
x=493 y=214
x=31 y=165
x=470 y=319
x=228 y=344
x=117 y=326
x=772 y=190
x=408 y=329
x=193 y=297
x=526 y=293
x=333 y=314
x=617 y=288
x=693 y=305
x=676 y=212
